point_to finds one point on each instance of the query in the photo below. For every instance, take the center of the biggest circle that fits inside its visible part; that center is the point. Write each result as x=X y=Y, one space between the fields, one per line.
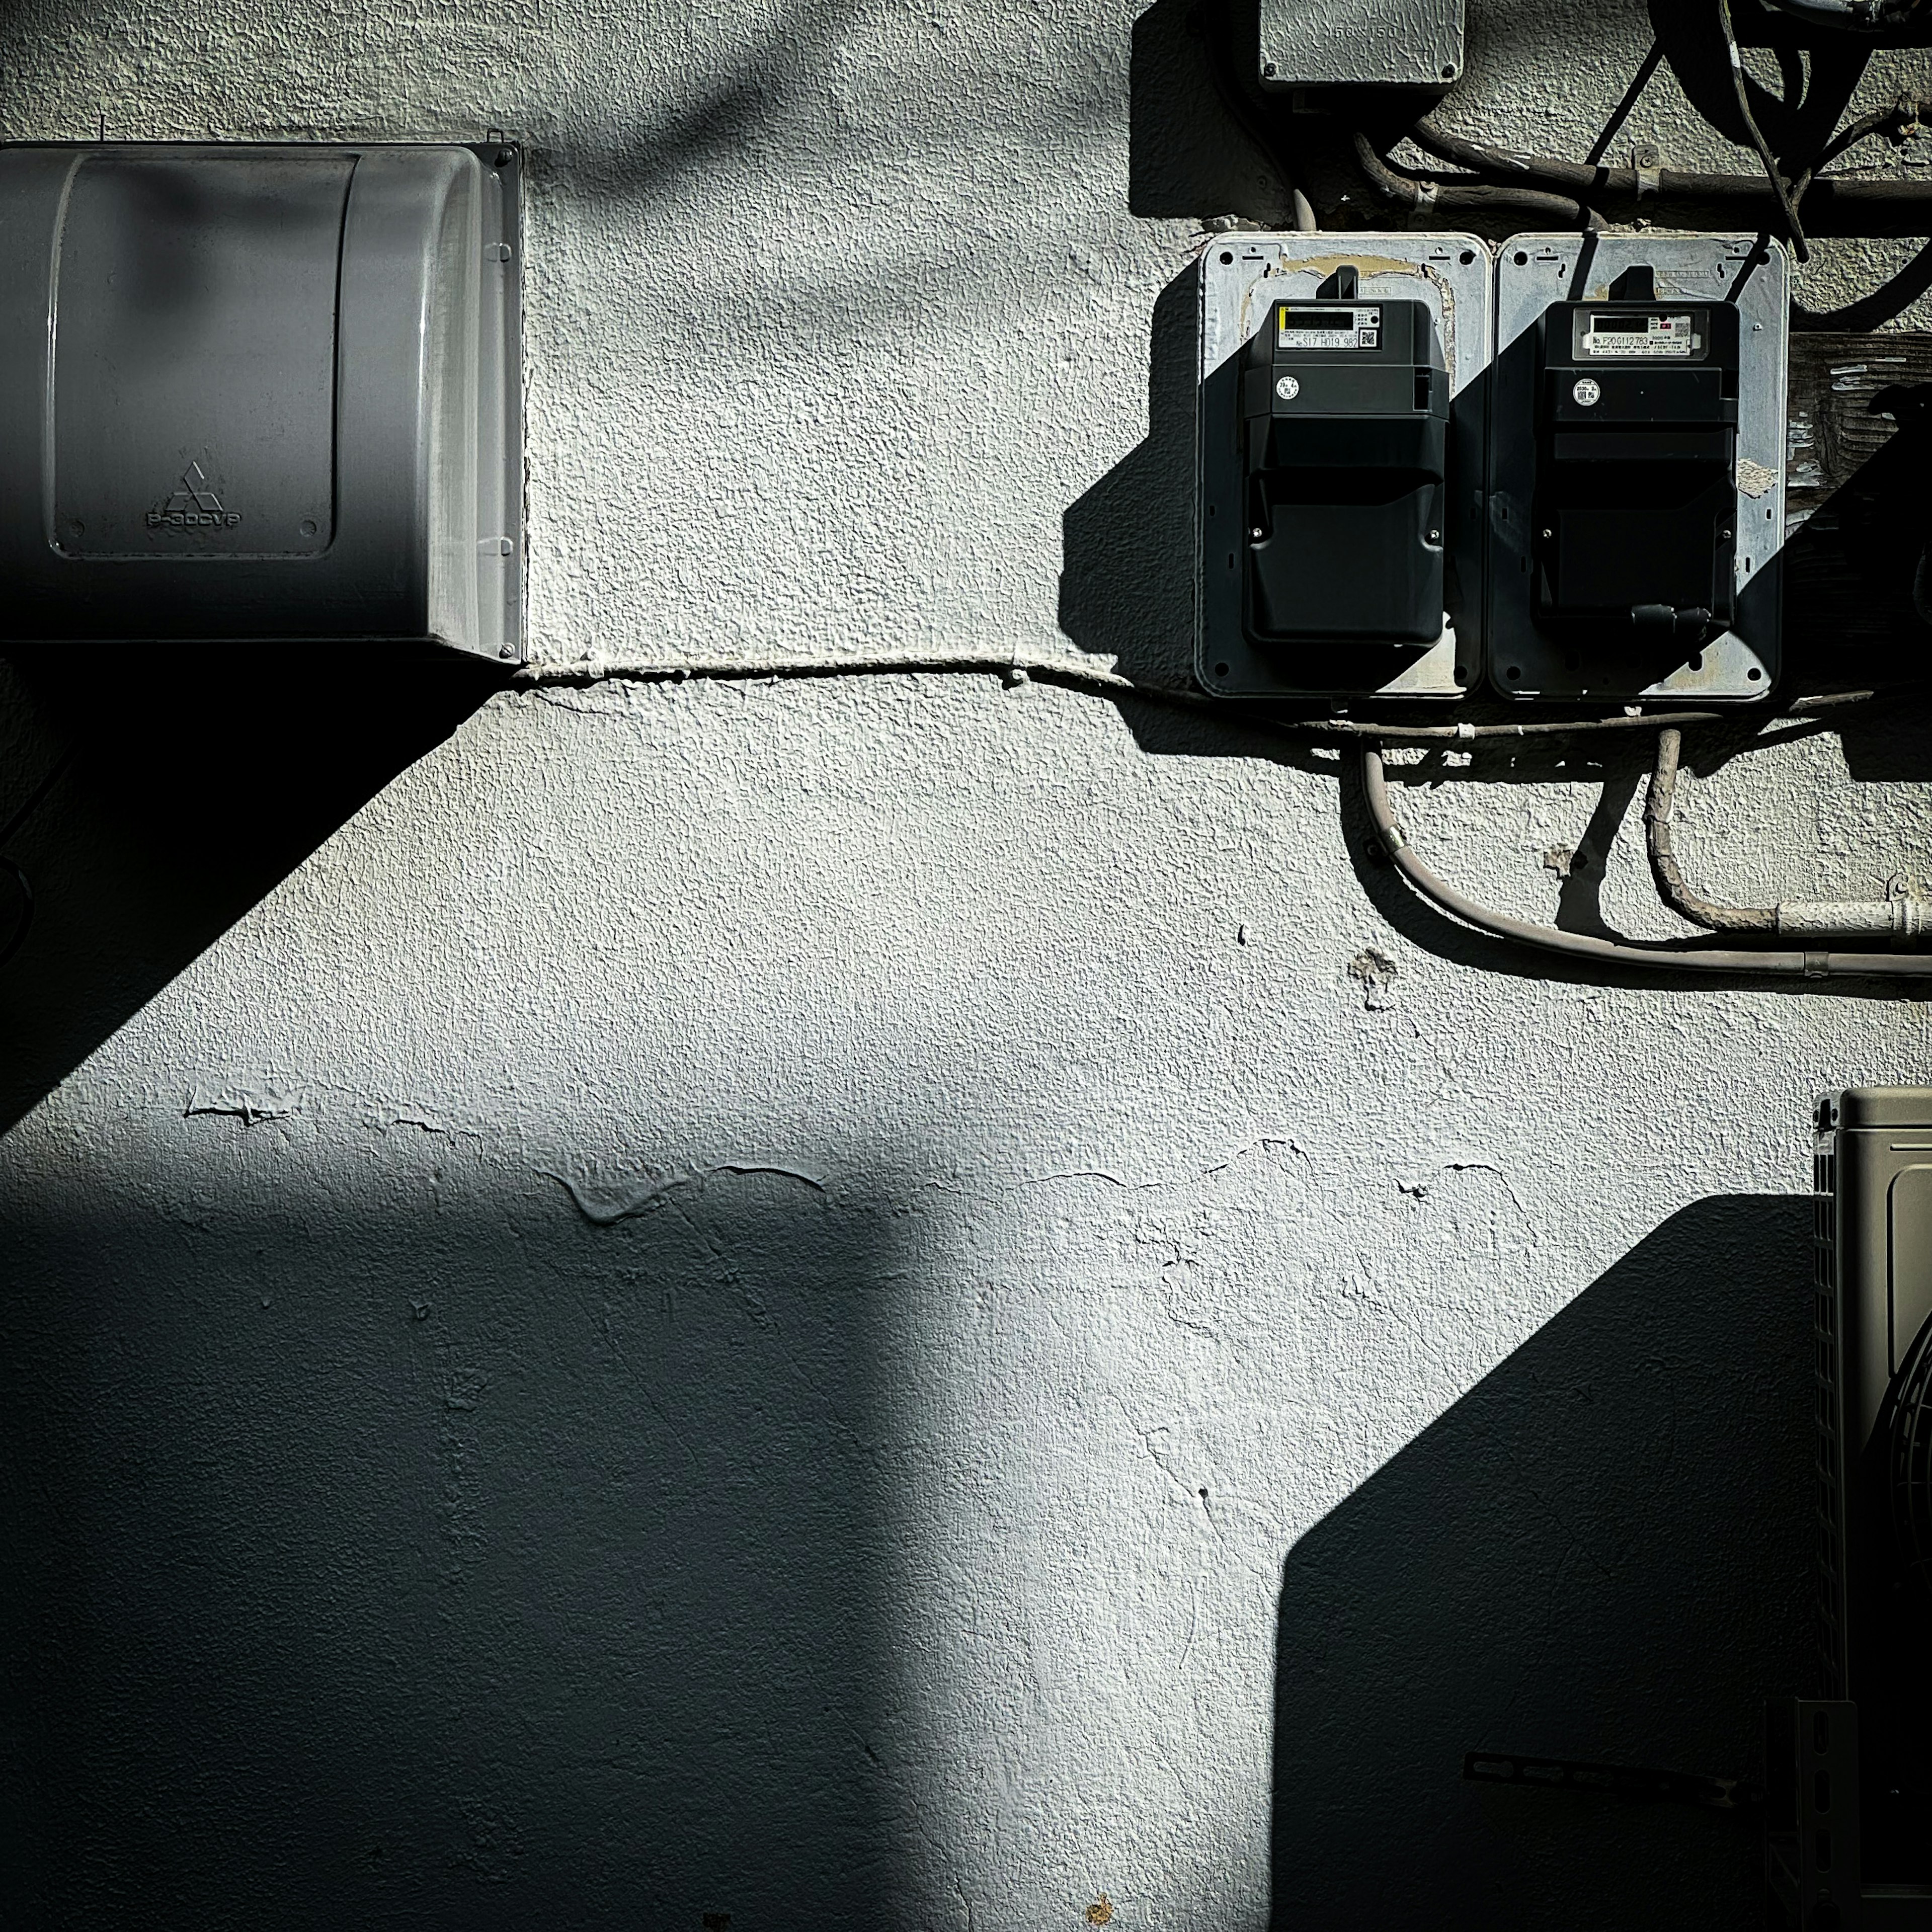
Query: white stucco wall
x=901 y=1544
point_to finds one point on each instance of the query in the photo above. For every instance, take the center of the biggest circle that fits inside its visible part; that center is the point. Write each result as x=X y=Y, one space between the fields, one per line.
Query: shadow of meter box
x=261 y=395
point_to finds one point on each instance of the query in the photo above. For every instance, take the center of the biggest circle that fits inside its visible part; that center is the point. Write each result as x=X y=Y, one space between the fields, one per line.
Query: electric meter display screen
x=1327 y=327
x=1650 y=333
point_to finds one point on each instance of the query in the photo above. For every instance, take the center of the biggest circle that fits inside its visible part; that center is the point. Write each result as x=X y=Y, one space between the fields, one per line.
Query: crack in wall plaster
x=604 y=1207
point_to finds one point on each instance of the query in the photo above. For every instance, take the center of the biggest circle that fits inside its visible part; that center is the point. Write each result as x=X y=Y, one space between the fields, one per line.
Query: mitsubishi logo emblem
x=194 y=506
x=193 y=494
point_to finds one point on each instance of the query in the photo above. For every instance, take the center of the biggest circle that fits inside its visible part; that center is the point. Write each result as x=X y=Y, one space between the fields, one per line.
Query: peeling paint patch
x=1375 y=973
x=1101 y=1912
x=247 y=1104
x=1560 y=860
x=1753 y=478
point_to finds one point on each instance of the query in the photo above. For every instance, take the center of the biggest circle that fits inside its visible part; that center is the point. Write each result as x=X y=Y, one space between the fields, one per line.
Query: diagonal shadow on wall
x=1601 y=1552
x=189 y=791
x=451 y=1567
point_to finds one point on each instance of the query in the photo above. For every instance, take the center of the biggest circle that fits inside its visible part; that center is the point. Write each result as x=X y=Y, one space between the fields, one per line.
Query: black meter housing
x=1634 y=514
x=1344 y=420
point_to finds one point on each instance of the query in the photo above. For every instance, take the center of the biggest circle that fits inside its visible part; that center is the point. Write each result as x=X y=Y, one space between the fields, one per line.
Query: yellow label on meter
x=1326 y=325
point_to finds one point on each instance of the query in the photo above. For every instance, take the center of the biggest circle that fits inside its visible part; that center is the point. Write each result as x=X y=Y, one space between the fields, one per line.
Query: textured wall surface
x=879 y=1301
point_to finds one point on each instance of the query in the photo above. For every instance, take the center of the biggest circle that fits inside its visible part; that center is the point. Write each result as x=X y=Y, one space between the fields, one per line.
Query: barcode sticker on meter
x=1600 y=334
x=1327 y=328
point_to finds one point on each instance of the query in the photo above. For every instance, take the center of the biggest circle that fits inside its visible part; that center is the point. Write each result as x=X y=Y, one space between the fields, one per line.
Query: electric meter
x=1340 y=438
x=1634 y=519
x=1636 y=461
x=1345 y=420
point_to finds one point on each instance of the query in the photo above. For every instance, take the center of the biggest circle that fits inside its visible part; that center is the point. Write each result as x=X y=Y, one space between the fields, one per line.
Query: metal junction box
x=1340 y=429
x=1636 y=467
x=1408 y=43
x=260 y=395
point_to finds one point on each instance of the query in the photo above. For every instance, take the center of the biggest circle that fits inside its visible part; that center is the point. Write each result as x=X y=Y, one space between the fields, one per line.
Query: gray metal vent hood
x=260 y=395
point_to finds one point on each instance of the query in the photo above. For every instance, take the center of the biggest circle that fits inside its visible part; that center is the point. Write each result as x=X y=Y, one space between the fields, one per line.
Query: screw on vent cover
x=1587 y=390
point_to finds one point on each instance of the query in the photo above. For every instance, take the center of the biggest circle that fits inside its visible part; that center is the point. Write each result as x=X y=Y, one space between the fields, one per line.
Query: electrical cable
x=1408 y=192
x=1846 y=205
x=1568 y=177
x=1078 y=674
x=1895 y=920
x=1671 y=957
x=1780 y=187
x=1671 y=887
x=1601 y=184
x=1835 y=204
x=1898 y=123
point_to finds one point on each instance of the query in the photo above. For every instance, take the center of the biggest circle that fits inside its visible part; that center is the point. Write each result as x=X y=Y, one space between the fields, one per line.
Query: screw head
x=1257 y=533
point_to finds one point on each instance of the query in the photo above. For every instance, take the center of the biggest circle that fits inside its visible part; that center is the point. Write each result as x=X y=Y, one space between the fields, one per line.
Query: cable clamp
x=1817 y=965
x=1464 y=730
x=1649 y=184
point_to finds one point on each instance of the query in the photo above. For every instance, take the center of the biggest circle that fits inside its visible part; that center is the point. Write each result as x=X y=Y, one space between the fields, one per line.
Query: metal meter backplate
x=1361 y=43
x=1242 y=276
x=1534 y=272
